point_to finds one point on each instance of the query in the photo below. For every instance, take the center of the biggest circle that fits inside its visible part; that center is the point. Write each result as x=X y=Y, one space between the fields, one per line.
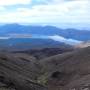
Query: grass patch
x=43 y=79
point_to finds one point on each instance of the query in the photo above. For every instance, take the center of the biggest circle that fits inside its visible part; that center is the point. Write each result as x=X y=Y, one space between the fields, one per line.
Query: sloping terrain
x=46 y=52
x=69 y=71
x=19 y=72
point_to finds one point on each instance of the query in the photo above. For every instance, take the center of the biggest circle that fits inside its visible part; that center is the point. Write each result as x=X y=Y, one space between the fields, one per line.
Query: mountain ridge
x=45 y=30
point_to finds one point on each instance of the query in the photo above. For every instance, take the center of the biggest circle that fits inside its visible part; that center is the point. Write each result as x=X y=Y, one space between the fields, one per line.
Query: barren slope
x=67 y=71
x=19 y=72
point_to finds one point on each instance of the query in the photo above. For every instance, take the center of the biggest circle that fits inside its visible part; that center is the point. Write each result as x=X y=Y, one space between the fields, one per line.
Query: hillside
x=18 y=72
x=67 y=71
x=42 y=53
x=21 y=70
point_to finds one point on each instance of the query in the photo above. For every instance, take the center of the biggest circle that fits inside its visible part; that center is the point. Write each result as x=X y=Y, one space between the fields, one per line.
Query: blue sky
x=68 y=13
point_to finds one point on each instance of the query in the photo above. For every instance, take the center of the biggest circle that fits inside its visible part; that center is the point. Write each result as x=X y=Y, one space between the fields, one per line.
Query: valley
x=45 y=61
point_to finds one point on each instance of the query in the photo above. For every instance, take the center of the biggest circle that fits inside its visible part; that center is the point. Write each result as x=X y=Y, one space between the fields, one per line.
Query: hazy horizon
x=61 y=26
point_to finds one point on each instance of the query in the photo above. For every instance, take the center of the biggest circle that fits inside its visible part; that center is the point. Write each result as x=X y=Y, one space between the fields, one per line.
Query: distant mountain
x=81 y=35
x=18 y=44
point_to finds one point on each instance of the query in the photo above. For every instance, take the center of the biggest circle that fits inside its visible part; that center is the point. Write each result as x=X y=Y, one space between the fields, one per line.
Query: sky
x=61 y=13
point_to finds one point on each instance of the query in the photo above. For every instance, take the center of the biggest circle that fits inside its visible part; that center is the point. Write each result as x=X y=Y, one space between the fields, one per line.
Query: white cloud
x=64 y=40
x=13 y=2
x=2 y=8
x=58 y=11
x=50 y=1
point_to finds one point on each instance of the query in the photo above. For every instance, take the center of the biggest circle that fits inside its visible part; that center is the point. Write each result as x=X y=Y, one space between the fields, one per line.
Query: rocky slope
x=66 y=71
x=69 y=71
x=19 y=72
x=46 y=52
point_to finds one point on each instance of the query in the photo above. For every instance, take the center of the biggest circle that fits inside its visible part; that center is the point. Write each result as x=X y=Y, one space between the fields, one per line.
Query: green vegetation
x=43 y=79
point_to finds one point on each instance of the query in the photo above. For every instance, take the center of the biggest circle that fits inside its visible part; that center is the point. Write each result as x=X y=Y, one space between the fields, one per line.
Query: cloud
x=54 y=11
x=14 y=2
x=64 y=40
x=51 y=1
x=2 y=8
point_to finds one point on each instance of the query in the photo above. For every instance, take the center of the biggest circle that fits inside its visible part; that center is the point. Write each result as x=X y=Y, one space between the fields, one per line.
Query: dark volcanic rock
x=68 y=71
x=19 y=73
x=47 y=52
